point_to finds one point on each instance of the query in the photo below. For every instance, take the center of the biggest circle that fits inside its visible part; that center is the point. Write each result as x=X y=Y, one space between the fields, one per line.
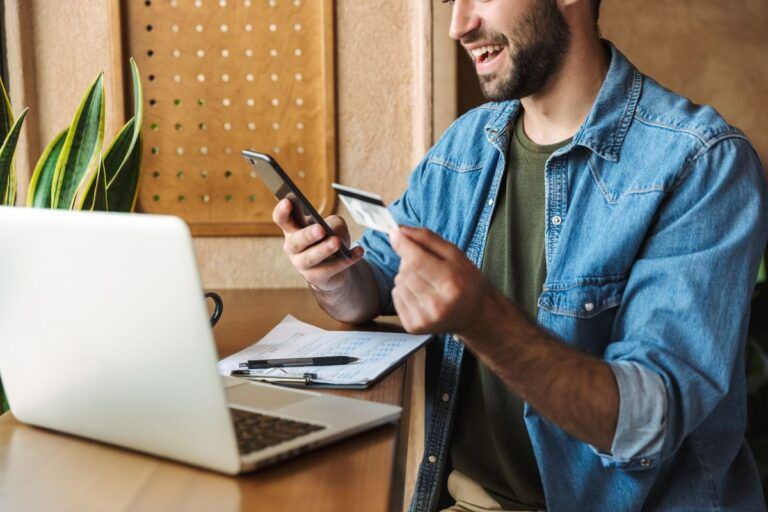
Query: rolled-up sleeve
x=641 y=424
x=681 y=327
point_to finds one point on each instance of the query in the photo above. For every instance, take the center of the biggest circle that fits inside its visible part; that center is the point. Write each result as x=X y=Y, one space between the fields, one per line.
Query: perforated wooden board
x=225 y=75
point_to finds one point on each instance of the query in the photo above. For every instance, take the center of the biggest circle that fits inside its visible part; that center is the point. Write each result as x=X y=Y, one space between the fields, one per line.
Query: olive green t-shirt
x=490 y=442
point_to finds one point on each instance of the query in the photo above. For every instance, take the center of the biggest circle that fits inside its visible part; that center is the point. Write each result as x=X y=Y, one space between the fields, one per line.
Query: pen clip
x=307 y=378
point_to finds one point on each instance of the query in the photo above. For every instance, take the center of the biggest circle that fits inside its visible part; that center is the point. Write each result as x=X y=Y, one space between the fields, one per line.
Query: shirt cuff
x=641 y=426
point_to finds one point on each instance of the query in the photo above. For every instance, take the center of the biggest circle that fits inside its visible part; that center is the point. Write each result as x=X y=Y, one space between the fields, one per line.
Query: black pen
x=255 y=364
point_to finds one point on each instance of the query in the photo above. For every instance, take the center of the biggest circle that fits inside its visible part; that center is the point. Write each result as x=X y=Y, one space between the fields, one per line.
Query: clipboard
x=377 y=354
x=309 y=380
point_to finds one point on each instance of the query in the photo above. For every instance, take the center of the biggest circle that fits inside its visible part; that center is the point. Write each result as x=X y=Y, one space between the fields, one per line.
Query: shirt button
x=490 y=202
x=445 y=397
x=645 y=463
x=455 y=338
x=556 y=220
x=432 y=459
x=589 y=306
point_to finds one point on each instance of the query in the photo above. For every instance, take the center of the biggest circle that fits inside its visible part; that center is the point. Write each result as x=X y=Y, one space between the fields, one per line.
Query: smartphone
x=281 y=186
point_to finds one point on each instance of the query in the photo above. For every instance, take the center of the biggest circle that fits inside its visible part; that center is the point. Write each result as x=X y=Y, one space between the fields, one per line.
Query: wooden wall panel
x=225 y=75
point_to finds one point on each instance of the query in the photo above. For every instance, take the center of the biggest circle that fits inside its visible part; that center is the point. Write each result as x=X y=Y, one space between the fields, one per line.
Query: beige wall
x=51 y=66
x=711 y=51
x=383 y=69
x=444 y=53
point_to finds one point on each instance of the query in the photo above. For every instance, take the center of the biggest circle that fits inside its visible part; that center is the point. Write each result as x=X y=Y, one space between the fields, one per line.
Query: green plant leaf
x=39 y=191
x=80 y=156
x=10 y=196
x=3 y=399
x=97 y=191
x=123 y=190
x=6 y=114
x=7 y=150
x=113 y=161
x=96 y=198
x=123 y=162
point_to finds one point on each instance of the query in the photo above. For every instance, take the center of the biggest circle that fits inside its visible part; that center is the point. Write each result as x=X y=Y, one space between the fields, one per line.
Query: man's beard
x=539 y=43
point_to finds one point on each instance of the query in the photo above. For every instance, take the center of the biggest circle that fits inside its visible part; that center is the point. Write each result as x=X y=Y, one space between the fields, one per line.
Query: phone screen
x=281 y=186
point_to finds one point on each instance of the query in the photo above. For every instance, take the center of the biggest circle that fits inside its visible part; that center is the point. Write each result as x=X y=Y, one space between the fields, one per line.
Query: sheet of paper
x=376 y=351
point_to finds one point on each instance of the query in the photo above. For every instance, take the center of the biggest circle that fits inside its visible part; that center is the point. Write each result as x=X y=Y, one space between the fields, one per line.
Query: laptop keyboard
x=258 y=431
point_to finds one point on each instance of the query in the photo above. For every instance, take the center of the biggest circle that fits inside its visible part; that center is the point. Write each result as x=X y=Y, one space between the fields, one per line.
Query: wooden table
x=42 y=470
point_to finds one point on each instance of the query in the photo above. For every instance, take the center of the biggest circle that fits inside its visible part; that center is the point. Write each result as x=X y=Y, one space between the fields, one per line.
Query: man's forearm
x=576 y=391
x=356 y=300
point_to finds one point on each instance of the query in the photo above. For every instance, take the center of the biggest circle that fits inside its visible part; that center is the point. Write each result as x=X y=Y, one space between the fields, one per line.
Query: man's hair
x=597 y=9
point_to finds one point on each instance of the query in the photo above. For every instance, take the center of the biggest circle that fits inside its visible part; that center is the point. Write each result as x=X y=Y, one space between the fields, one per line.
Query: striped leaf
x=7 y=174
x=112 y=161
x=123 y=165
x=80 y=156
x=124 y=189
x=122 y=161
x=7 y=181
x=10 y=194
x=6 y=114
x=96 y=199
x=41 y=183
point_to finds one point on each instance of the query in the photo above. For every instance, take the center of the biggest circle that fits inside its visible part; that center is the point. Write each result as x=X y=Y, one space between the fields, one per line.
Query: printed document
x=377 y=352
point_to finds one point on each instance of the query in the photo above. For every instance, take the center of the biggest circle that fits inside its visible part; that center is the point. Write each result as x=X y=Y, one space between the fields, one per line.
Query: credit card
x=366 y=208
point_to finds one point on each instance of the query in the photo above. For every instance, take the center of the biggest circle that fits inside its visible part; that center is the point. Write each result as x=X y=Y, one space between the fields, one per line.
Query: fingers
x=311 y=251
x=402 y=308
x=281 y=216
x=327 y=269
x=430 y=241
x=301 y=239
x=307 y=258
x=408 y=308
x=414 y=257
x=339 y=226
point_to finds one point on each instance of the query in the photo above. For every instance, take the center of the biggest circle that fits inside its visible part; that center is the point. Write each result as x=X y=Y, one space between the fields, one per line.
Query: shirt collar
x=606 y=126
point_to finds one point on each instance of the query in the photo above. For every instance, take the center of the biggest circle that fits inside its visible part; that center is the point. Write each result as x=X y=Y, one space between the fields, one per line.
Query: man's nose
x=463 y=19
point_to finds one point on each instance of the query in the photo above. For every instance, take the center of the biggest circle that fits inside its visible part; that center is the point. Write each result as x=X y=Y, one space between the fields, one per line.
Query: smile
x=486 y=53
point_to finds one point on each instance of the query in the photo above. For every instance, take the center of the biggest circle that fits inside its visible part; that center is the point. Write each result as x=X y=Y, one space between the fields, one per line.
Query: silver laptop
x=104 y=333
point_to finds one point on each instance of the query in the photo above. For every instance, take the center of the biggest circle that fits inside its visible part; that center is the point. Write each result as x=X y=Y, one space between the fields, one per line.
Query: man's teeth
x=479 y=52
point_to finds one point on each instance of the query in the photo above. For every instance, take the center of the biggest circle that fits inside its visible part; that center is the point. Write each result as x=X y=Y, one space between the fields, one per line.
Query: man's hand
x=313 y=260
x=437 y=289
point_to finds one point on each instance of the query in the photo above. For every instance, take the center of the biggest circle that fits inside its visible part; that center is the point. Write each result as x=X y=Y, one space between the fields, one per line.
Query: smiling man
x=585 y=245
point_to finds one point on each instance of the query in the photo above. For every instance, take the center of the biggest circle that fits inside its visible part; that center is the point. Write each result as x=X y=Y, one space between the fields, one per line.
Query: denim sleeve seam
x=708 y=145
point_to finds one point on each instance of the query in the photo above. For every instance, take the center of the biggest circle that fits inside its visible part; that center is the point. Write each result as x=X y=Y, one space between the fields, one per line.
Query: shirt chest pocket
x=582 y=312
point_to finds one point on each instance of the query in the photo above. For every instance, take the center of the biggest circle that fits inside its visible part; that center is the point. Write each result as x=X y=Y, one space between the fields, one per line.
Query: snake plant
x=74 y=172
x=9 y=135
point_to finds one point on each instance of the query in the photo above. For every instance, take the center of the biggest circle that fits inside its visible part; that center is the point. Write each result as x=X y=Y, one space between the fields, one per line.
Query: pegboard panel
x=225 y=75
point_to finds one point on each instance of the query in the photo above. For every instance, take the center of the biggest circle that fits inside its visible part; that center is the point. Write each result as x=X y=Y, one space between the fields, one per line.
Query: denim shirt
x=655 y=223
